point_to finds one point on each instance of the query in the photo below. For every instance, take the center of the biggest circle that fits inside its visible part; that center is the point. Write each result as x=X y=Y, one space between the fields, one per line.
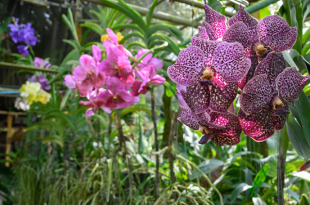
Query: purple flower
x=40 y=63
x=23 y=50
x=22 y=33
x=215 y=23
x=264 y=107
x=42 y=80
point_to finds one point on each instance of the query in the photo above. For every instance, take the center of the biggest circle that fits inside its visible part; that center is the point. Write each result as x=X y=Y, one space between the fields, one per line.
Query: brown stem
x=156 y=143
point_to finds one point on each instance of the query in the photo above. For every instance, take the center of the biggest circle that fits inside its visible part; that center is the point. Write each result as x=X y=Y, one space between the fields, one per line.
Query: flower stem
x=156 y=142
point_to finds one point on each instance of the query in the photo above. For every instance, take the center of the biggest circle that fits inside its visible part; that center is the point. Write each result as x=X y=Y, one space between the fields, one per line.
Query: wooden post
x=8 y=139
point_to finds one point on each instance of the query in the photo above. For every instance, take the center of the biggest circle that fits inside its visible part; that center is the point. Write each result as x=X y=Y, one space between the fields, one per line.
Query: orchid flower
x=215 y=64
x=148 y=60
x=263 y=107
x=95 y=102
x=40 y=63
x=42 y=80
x=215 y=24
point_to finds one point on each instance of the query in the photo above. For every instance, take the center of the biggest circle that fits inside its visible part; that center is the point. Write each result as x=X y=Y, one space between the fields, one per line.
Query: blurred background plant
x=69 y=159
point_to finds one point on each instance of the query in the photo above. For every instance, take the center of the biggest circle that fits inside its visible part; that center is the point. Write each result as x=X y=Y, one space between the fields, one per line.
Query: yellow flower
x=43 y=96
x=29 y=91
x=105 y=37
x=119 y=36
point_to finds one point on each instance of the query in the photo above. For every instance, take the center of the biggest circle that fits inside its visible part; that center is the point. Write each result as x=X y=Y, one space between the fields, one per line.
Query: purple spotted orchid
x=271 y=34
x=221 y=128
x=210 y=70
x=264 y=102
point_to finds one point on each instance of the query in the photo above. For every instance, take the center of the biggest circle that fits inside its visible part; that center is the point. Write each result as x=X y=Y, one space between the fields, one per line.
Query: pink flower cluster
x=111 y=83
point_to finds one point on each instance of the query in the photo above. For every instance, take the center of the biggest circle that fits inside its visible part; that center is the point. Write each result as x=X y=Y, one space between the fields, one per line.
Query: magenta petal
x=135 y=87
x=230 y=62
x=232 y=132
x=249 y=76
x=290 y=83
x=96 y=53
x=113 y=54
x=126 y=77
x=275 y=32
x=279 y=121
x=209 y=31
x=202 y=33
x=222 y=94
x=99 y=80
x=80 y=73
x=199 y=97
x=186 y=69
x=106 y=67
x=113 y=84
x=157 y=79
x=105 y=95
x=231 y=108
x=256 y=94
x=216 y=20
x=125 y=96
x=208 y=48
x=238 y=33
x=157 y=63
x=89 y=112
x=258 y=125
x=272 y=65
x=70 y=81
x=248 y=20
x=87 y=103
x=147 y=58
x=188 y=118
x=105 y=109
x=88 y=62
x=112 y=36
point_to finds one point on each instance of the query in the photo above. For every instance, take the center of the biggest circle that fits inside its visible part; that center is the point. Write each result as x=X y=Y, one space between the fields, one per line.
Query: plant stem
x=109 y=135
x=282 y=148
x=156 y=142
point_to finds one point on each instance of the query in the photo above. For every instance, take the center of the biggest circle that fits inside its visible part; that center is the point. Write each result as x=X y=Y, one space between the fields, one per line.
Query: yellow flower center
x=207 y=74
x=277 y=103
x=259 y=49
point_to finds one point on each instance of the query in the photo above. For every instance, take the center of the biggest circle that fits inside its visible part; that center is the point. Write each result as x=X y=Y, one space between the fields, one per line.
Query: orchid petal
x=202 y=33
x=113 y=84
x=96 y=53
x=238 y=33
x=256 y=94
x=125 y=96
x=188 y=118
x=290 y=83
x=157 y=63
x=106 y=109
x=216 y=20
x=275 y=32
x=126 y=77
x=230 y=62
x=186 y=69
x=208 y=48
x=88 y=62
x=199 y=97
x=99 y=80
x=222 y=94
x=106 y=67
x=258 y=125
x=112 y=36
x=80 y=73
x=157 y=79
x=70 y=81
x=89 y=112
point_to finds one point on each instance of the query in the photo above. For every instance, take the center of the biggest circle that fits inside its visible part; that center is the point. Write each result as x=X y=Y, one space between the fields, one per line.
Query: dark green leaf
x=238 y=190
x=259 y=179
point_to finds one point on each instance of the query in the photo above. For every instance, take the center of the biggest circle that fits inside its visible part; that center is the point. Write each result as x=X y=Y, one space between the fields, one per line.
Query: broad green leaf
x=110 y=179
x=135 y=108
x=304 y=200
x=303 y=107
x=306 y=36
x=238 y=190
x=289 y=59
x=258 y=201
x=207 y=166
x=259 y=179
x=294 y=195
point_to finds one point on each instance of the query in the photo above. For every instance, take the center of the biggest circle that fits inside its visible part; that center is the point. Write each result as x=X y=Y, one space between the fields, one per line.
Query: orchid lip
x=280 y=112
x=205 y=139
x=259 y=49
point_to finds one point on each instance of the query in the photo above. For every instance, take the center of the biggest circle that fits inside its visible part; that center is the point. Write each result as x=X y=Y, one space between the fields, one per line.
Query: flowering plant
x=111 y=83
x=247 y=54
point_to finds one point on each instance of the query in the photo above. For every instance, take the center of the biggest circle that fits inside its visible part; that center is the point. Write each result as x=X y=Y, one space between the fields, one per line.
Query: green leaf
x=259 y=179
x=258 y=201
x=264 y=12
x=289 y=59
x=168 y=28
x=93 y=26
x=305 y=49
x=110 y=179
x=141 y=144
x=207 y=166
x=163 y=37
x=136 y=43
x=135 y=108
x=73 y=44
x=53 y=139
x=304 y=200
x=302 y=175
x=297 y=138
x=150 y=14
x=238 y=190
x=303 y=107
x=64 y=99
x=133 y=34
x=127 y=26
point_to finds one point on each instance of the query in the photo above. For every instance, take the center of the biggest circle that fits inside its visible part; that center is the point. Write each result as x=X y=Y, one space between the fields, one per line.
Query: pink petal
x=290 y=83
x=186 y=69
x=106 y=95
x=136 y=87
x=257 y=93
x=230 y=62
x=147 y=58
x=89 y=112
x=87 y=103
x=96 y=53
x=112 y=35
x=125 y=96
x=275 y=32
x=70 y=81
x=80 y=73
x=188 y=118
x=202 y=33
x=113 y=84
x=106 y=67
x=180 y=97
x=126 y=77
x=216 y=20
x=106 y=109
x=124 y=64
x=157 y=79
x=98 y=81
x=157 y=63
x=88 y=63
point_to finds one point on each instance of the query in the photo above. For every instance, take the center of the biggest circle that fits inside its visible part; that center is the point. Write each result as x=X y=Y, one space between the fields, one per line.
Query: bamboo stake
x=24 y=67
x=8 y=139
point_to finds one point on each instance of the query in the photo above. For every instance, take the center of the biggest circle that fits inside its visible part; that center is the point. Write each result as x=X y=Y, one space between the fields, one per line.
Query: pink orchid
x=40 y=63
x=147 y=75
x=148 y=60
x=95 y=102
x=116 y=96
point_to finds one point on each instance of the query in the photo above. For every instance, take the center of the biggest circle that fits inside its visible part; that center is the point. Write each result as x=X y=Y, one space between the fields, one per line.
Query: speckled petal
x=202 y=33
x=279 y=121
x=216 y=20
x=186 y=70
x=209 y=31
x=231 y=136
x=238 y=33
x=208 y=48
x=188 y=118
x=272 y=65
x=290 y=83
x=275 y=32
x=222 y=93
x=199 y=97
x=258 y=125
x=248 y=20
x=204 y=120
x=256 y=94
x=249 y=76
x=230 y=62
